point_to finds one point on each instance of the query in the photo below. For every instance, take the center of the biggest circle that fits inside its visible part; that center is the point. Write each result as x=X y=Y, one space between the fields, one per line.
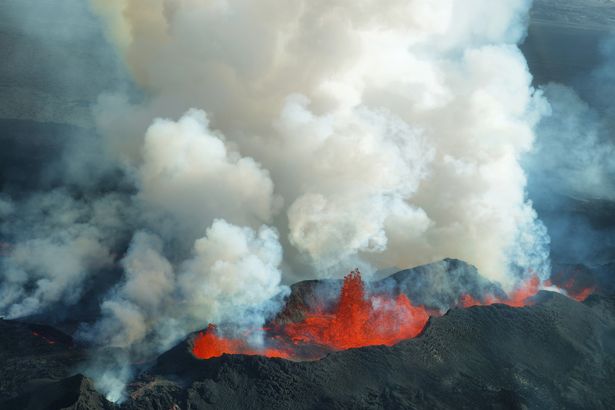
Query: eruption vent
x=360 y=320
x=208 y=344
x=357 y=320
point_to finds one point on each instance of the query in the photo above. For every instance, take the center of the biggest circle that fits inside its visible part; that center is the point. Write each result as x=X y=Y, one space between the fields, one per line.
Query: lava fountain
x=357 y=320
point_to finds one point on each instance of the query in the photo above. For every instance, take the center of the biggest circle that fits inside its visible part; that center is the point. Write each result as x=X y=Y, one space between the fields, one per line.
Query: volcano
x=554 y=352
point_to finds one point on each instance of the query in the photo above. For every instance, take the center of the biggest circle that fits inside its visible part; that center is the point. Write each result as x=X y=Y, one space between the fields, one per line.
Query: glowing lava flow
x=517 y=298
x=573 y=289
x=520 y=296
x=208 y=344
x=581 y=295
x=359 y=321
x=356 y=321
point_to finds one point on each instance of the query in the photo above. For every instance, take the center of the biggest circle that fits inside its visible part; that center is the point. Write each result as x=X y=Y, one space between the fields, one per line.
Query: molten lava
x=582 y=294
x=521 y=296
x=517 y=298
x=575 y=291
x=208 y=344
x=357 y=320
x=360 y=321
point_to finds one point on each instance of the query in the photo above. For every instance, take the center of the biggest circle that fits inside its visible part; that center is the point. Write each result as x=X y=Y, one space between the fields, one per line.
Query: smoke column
x=392 y=135
x=275 y=141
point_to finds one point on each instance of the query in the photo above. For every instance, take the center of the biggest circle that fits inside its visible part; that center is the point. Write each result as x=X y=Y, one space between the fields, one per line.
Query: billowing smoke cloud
x=155 y=297
x=276 y=141
x=190 y=173
x=392 y=134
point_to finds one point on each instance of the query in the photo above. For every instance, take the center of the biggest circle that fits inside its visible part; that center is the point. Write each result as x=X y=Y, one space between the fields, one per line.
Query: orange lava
x=467 y=301
x=572 y=290
x=356 y=321
x=520 y=296
x=582 y=295
x=360 y=321
x=517 y=298
x=208 y=344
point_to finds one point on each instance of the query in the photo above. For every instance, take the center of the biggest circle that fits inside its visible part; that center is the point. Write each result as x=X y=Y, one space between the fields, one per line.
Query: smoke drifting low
x=277 y=141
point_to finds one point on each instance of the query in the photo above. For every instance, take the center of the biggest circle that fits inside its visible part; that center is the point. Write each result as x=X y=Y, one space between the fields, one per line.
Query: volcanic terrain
x=556 y=352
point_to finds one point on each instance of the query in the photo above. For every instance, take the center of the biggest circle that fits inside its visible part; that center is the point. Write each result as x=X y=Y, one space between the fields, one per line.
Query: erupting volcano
x=357 y=320
x=208 y=344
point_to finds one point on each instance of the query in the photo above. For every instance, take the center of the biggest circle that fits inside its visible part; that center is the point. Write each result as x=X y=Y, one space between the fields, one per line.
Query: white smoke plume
x=391 y=133
x=277 y=141
x=190 y=173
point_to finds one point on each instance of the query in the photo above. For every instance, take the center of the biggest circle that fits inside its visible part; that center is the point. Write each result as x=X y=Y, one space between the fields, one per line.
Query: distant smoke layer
x=277 y=141
x=572 y=168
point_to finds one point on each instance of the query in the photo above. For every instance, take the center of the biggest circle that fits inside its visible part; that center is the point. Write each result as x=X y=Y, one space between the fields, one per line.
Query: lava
x=208 y=344
x=582 y=294
x=356 y=321
x=520 y=296
x=517 y=298
x=575 y=291
x=360 y=321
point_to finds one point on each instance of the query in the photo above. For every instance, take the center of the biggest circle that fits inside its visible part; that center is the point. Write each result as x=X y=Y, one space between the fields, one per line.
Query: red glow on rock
x=48 y=340
x=575 y=291
x=360 y=321
x=517 y=298
x=468 y=301
x=523 y=293
x=582 y=295
x=208 y=344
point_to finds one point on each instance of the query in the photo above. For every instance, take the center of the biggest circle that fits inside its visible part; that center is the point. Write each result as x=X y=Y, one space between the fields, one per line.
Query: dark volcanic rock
x=31 y=353
x=73 y=393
